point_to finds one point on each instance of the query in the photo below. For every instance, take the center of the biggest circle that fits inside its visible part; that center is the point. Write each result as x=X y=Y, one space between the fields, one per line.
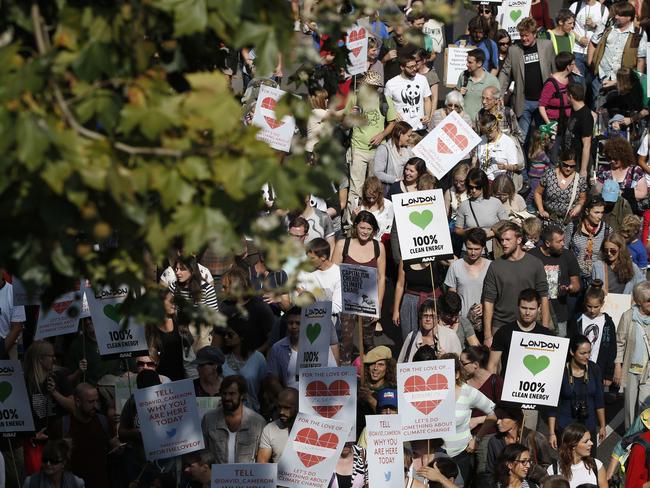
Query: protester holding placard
x=453 y=102
x=581 y=396
x=413 y=170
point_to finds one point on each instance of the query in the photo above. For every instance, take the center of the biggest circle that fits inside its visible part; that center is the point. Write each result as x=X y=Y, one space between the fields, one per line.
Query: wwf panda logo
x=411 y=94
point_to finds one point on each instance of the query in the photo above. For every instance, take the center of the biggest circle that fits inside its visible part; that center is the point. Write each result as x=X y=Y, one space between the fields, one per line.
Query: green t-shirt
x=376 y=122
x=563 y=43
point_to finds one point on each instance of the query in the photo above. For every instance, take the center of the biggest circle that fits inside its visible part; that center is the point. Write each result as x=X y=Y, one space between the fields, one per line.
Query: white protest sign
x=315 y=332
x=535 y=368
x=276 y=133
x=616 y=304
x=384 y=453
x=15 y=413
x=422 y=231
x=357 y=44
x=206 y=404
x=450 y=141
x=169 y=420
x=62 y=316
x=244 y=475
x=511 y=12
x=455 y=63
x=359 y=290
x=113 y=339
x=310 y=455
x=330 y=393
x=426 y=399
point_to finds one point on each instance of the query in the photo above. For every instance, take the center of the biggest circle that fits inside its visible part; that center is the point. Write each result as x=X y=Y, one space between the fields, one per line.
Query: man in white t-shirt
x=592 y=13
x=325 y=282
x=276 y=434
x=411 y=95
x=11 y=318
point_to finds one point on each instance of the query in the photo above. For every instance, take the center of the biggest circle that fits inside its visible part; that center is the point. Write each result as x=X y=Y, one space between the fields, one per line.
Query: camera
x=579 y=411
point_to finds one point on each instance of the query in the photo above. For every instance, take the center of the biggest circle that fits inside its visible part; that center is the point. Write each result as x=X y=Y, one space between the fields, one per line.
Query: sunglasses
x=572 y=166
x=47 y=460
x=506 y=43
x=611 y=251
x=453 y=105
x=150 y=364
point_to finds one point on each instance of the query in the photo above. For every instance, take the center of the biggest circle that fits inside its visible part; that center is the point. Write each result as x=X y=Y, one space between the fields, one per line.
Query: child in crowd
x=630 y=230
x=539 y=163
x=532 y=228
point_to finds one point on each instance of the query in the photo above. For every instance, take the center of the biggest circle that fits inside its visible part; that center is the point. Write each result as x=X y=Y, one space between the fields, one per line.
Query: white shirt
x=580 y=29
x=324 y=285
x=613 y=55
x=643 y=151
x=8 y=312
x=408 y=96
x=594 y=332
x=490 y=154
x=232 y=442
x=580 y=474
x=447 y=342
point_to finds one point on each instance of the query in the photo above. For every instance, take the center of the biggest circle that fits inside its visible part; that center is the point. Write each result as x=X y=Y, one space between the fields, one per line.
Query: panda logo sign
x=411 y=94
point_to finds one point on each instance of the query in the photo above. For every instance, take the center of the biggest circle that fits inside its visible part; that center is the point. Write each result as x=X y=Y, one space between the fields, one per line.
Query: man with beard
x=506 y=277
x=411 y=94
x=232 y=431
x=562 y=274
x=275 y=435
x=91 y=438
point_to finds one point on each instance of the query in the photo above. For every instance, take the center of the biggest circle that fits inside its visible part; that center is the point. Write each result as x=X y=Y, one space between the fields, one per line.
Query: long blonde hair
x=35 y=374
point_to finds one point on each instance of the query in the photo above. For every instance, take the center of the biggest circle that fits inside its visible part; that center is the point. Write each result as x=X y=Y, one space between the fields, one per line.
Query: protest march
x=260 y=244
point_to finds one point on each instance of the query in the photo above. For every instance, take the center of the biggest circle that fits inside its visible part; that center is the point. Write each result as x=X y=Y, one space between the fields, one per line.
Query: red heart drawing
x=269 y=104
x=416 y=383
x=357 y=35
x=310 y=436
x=60 y=307
x=320 y=389
x=460 y=141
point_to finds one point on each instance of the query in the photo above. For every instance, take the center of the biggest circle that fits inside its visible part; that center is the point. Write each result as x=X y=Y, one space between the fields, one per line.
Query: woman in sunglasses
x=453 y=101
x=53 y=472
x=561 y=193
x=503 y=41
x=616 y=269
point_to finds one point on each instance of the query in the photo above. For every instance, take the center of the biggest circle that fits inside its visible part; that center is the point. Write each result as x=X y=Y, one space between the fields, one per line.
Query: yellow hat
x=377 y=354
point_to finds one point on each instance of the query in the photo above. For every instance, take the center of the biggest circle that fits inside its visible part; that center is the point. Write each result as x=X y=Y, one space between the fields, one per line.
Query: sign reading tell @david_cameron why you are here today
x=427 y=399
x=384 y=453
x=422 y=225
x=535 y=367
x=244 y=475
x=15 y=414
x=169 y=419
x=115 y=338
x=310 y=455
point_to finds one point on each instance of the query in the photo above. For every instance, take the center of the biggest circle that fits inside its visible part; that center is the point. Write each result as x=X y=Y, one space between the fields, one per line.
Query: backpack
x=562 y=122
x=618 y=479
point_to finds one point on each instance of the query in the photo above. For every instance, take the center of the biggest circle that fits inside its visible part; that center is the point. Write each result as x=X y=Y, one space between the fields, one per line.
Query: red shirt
x=636 y=472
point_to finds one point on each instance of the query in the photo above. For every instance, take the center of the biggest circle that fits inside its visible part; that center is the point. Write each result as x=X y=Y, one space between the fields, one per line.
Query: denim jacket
x=215 y=433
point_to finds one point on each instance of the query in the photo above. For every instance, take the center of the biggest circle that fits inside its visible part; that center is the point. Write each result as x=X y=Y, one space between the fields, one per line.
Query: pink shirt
x=551 y=102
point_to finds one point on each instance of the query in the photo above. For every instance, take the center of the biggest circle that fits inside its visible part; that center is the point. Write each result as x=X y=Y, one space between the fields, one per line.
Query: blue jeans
x=581 y=64
x=530 y=112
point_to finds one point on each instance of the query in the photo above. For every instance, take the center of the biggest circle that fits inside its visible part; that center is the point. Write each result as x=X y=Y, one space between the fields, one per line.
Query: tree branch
x=42 y=41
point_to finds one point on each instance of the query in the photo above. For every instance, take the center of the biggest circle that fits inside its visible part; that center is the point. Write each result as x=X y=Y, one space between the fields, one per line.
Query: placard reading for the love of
x=426 y=399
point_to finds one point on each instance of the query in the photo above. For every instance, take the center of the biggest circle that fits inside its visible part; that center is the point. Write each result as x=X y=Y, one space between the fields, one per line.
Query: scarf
x=397 y=159
x=639 y=318
x=589 y=248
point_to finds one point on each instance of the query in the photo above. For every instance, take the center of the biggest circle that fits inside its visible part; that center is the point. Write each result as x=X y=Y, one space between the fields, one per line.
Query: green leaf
x=199 y=225
x=94 y=61
x=32 y=140
x=190 y=16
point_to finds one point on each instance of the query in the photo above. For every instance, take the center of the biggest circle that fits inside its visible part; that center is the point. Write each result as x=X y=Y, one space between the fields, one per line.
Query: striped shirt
x=468 y=399
x=208 y=295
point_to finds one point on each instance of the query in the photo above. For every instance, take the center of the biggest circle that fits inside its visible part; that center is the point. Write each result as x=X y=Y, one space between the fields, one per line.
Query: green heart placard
x=5 y=390
x=536 y=364
x=515 y=14
x=113 y=312
x=421 y=219
x=313 y=331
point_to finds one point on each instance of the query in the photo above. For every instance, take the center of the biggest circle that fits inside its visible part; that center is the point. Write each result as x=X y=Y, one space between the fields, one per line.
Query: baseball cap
x=611 y=191
x=377 y=354
x=209 y=354
x=386 y=398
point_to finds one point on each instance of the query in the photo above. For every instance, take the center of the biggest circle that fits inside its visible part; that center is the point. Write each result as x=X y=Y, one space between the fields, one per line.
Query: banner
x=359 y=290
x=276 y=133
x=357 y=44
x=315 y=333
x=115 y=340
x=61 y=318
x=450 y=141
x=244 y=475
x=535 y=367
x=616 y=304
x=427 y=399
x=15 y=412
x=330 y=393
x=384 y=453
x=310 y=456
x=511 y=12
x=455 y=63
x=169 y=420
x=421 y=236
